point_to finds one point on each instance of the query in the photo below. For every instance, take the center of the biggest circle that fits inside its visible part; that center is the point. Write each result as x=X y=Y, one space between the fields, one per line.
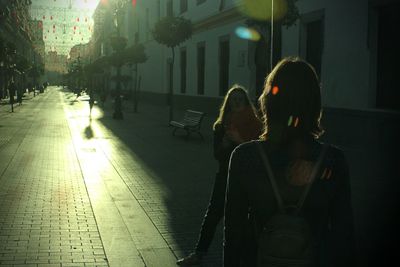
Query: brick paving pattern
x=46 y=216
x=45 y=213
x=53 y=159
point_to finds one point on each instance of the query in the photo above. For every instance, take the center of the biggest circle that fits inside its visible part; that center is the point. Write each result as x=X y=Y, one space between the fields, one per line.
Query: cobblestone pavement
x=45 y=216
x=99 y=192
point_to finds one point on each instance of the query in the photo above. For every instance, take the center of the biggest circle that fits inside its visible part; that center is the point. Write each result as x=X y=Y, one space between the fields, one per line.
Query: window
x=221 y=5
x=224 y=52
x=147 y=24
x=312 y=39
x=170 y=12
x=387 y=57
x=102 y=50
x=183 y=70
x=201 y=60
x=315 y=44
x=184 y=6
x=158 y=10
x=199 y=2
x=137 y=34
x=136 y=37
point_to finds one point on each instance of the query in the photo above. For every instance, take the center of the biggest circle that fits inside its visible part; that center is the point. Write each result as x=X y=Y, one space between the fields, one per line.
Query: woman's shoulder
x=245 y=157
x=247 y=148
x=218 y=127
x=333 y=152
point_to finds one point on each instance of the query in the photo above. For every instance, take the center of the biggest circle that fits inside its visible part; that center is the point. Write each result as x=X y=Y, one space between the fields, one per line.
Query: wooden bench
x=191 y=122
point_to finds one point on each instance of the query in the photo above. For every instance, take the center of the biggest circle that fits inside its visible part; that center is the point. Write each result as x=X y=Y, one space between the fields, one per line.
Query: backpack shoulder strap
x=314 y=173
x=271 y=177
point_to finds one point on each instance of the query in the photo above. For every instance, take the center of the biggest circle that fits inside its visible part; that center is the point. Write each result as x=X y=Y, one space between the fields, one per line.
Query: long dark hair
x=291 y=101
x=225 y=109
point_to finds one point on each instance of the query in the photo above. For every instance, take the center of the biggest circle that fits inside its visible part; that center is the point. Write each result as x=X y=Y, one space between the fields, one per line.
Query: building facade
x=205 y=66
x=344 y=41
x=56 y=63
x=19 y=33
x=349 y=43
x=37 y=38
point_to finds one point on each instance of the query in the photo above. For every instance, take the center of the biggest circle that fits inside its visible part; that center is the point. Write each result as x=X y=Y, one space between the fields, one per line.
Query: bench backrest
x=193 y=118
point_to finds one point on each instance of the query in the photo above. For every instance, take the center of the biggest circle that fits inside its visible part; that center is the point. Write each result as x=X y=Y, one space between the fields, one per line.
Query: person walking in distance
x=91 y=103
x=288 y=174
x=237 y=123
x=12 y=88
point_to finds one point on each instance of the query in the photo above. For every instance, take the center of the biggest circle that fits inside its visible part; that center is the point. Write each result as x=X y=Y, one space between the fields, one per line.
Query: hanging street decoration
x=61 y=20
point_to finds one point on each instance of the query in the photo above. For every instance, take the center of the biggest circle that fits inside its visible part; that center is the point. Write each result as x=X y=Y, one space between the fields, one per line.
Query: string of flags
x=62 y=28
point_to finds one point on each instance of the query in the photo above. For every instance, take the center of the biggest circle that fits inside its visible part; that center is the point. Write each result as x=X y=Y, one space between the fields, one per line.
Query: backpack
x=286 y=238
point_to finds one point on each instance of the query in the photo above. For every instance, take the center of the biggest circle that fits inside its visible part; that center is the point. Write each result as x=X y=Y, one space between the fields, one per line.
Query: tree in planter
x=22 y=66
x=117 y=60
x=99 y=65
x=10 y=53
x=172 y=31
x=135 y=55
x=22 y=63
x=34 y=73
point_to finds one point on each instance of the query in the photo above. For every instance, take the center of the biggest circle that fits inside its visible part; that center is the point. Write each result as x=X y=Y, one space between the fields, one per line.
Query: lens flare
x=261 y=9
x=326 y=174
x=290 y=121
x=247 y=33
x=275 y=90
x=296 y=121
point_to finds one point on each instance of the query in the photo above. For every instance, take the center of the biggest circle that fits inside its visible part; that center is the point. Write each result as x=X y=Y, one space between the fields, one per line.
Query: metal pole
x=272 y=35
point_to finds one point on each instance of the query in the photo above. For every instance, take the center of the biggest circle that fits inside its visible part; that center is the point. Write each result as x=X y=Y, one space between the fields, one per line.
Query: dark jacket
x=327 y=207
x=222 y=154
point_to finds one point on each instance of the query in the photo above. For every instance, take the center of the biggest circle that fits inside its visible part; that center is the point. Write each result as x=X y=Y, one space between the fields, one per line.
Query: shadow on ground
x=185 y=168
x=182 y=166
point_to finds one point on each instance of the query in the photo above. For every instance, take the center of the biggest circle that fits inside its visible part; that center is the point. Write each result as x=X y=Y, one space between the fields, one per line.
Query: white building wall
x=346 y=76
x=345 y=58
x=154 y=71
x=238 y=73
x=208 y=8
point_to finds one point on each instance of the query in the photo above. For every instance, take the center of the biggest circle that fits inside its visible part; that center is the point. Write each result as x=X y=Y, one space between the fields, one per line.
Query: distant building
x=102 y=28
x=37 y=38
x=56 y=63
x=81 y=51
x=206 y=65
x=18 y=30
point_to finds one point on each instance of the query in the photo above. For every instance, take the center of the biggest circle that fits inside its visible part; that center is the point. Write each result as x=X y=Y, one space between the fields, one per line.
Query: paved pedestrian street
x=76 y=191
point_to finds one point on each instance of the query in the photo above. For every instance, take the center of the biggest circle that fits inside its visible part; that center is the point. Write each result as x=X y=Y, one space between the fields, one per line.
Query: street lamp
x=1 y=79
x=11 y=68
